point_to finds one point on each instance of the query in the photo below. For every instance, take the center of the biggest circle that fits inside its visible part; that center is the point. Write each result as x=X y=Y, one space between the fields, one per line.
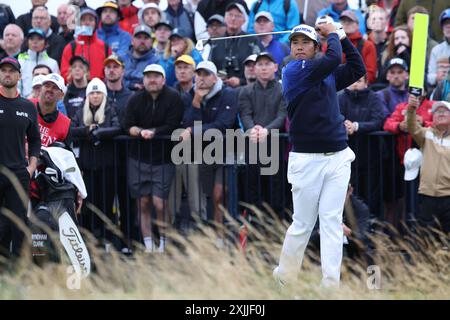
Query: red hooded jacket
x=368 y=52
x=130 y=18
x=404 y=140
x=92 y=49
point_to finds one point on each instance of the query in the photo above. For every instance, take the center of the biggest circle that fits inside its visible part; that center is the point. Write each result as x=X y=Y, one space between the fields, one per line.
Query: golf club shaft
x=246 y=35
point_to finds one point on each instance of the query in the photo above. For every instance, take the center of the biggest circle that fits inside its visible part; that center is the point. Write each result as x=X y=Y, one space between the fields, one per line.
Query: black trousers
x=434 y=211
x=100 y=189
x=10 y=200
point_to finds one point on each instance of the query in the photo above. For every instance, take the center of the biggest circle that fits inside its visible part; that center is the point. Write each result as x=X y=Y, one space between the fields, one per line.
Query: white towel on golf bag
x=66 y=162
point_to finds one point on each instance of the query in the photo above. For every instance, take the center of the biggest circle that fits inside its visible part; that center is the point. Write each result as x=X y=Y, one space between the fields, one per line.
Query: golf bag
x=56 y=185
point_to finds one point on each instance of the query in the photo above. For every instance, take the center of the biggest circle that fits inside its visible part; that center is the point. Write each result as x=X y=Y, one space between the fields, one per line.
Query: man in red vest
x=53 y=125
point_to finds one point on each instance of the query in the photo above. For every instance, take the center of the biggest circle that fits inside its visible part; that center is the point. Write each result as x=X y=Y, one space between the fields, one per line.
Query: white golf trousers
x=319 y=186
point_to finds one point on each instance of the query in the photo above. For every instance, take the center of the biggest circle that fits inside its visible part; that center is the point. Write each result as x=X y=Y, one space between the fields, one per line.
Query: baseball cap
x=444 y=16
x=216 y=17
x=114 y=58
x=350 y=14
x=412 y=161
x=176 y=33
x=236 y=5
x=186 y=59
x=96 y=85
x=56 y=79
x=79 y=58
x=265 y=55
x=11 y=61
x=142 y=29
x=251 y=58
x=88 y=10
x=397 y=62
x=37 y=80
x=265 y=14
x=163 y=23
x=39 y=32
x=306 y=30
x=154 y=68
x=149 y=6
x=109 y=4
x=439 y=104
x=208 y=66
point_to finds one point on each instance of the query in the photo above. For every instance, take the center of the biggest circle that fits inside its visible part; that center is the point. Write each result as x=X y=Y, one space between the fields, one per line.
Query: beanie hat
x=96 y=85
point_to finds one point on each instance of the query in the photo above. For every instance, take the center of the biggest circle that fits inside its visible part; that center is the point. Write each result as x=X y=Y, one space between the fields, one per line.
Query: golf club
x=201 y=43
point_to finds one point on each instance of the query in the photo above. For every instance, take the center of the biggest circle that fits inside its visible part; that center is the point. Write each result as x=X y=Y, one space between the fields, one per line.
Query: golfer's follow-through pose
x=319 y=163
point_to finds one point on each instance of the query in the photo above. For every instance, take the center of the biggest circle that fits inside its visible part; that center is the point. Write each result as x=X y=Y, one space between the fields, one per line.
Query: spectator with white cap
x=150 y=14
x=97 y=122
x=53 y=125
x=36 y=88
x=153 y=112
x=264 y=23
x=140 y=55
x=216 y=107
x=249 y=69
x=434 y=188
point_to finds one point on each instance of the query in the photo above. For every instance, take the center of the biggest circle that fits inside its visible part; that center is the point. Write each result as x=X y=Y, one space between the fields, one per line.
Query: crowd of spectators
x=123 y=70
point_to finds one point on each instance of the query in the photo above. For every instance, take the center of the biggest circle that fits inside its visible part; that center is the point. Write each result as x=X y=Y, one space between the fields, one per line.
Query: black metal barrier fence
x=193 y=191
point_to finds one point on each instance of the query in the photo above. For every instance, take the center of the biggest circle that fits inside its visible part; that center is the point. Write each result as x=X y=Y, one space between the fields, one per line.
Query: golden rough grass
x=201 y=271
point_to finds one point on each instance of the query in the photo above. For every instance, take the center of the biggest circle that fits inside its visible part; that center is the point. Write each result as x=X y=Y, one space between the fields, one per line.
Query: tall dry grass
x=193 y=268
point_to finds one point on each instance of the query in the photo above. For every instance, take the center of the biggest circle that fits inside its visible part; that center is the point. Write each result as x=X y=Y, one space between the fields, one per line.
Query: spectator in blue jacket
x=216 y=107
x=264 y=23
x=138 y=57
x=397 y=92
x=177 y=46
x=363 y=113
x=283 y=19
x=180 y=18
x=337 y=7
x=117 y=39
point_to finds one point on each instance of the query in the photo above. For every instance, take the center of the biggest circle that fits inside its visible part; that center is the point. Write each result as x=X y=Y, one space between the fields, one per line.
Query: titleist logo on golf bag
x=75 y=243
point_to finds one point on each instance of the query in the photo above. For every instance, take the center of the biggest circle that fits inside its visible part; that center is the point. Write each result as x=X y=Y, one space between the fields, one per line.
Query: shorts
x=145 y=179
x=211 y=174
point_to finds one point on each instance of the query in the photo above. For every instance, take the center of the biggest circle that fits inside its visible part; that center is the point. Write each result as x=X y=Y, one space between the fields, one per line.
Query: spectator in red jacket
x=367 y=49
x=129 y=13
x=396 y=123
x=86 y=45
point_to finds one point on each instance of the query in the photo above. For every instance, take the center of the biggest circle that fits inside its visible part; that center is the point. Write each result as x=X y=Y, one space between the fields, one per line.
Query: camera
x=231 y=64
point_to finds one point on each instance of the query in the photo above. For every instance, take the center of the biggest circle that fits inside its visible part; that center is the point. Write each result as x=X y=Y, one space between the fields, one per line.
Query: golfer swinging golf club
x=319 y=163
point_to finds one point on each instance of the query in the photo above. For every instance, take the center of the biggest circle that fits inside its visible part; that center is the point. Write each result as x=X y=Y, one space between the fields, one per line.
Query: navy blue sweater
x=310 y=86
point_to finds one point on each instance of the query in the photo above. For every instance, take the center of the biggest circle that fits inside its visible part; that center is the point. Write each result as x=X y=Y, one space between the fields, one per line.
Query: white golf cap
x=154 y=68
x=96 y=85
x=56 y=79
x=207 y=65
x=412 y=162
x=308 y=31
x=439 y=104
x=37 y=80
x=265 y=14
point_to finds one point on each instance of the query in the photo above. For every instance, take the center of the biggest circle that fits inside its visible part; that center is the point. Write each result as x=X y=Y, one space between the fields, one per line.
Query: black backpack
x=73 y=45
